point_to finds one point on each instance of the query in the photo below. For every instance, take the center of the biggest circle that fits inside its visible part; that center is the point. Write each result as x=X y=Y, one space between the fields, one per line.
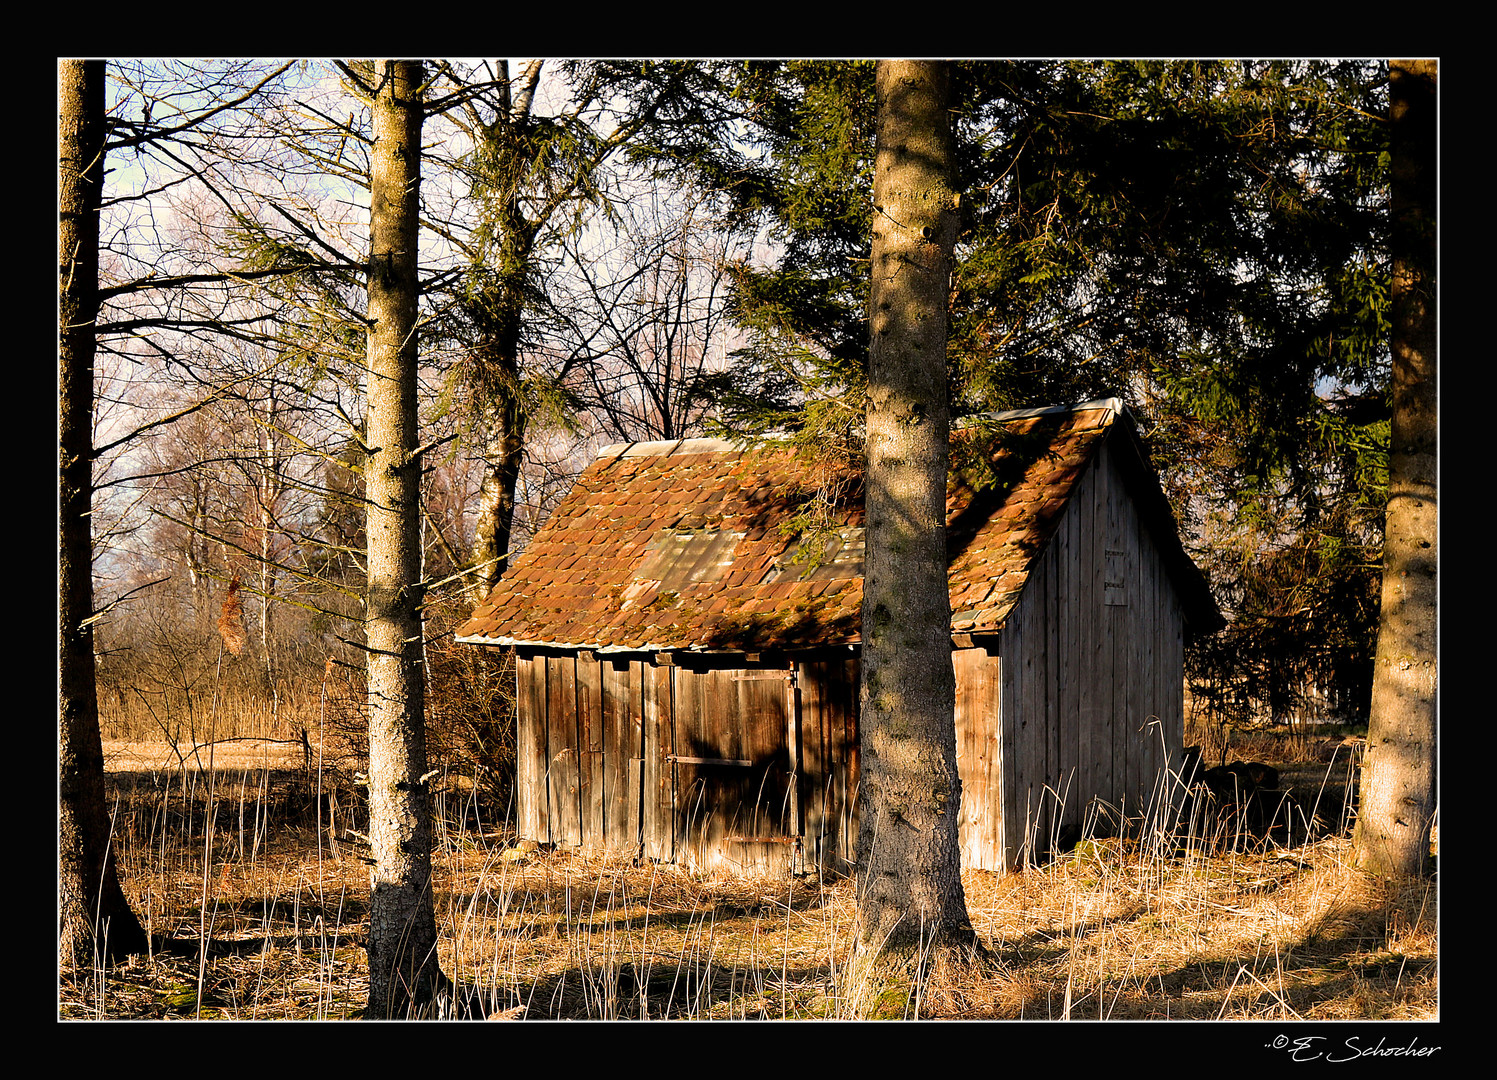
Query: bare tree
x=641 y=318
x=910 y=900
x=94 y=918
x=127 y=292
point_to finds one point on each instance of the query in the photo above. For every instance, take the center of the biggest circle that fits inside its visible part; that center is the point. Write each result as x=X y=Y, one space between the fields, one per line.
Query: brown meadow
x=256 y=913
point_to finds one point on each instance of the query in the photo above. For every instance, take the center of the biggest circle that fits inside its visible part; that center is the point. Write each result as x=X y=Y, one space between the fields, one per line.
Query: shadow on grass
x=1342 y=963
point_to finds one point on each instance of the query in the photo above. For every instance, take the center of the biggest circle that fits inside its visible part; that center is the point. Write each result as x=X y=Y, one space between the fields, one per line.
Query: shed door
x=734 y=793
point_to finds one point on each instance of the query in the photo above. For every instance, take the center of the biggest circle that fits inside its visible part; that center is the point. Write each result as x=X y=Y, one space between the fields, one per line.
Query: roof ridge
x=667 y=447
x=709 y=445
x=1114 y=404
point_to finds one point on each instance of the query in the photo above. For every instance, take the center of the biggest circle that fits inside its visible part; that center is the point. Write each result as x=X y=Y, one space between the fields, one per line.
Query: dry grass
x=1292 y=934
x=1115 y=930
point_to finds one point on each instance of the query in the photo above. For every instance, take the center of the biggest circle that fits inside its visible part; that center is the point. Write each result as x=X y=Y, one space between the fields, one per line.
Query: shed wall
x=1088 y=689
x=712 y=766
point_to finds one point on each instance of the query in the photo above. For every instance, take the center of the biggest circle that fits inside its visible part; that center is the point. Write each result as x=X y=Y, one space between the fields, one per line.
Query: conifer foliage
x=1207 y=240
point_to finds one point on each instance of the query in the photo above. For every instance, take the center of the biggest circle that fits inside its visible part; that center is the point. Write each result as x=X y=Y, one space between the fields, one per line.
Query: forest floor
x=1114 y=929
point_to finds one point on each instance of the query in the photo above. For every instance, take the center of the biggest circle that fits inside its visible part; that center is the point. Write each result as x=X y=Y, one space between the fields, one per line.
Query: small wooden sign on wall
x=1115 y=580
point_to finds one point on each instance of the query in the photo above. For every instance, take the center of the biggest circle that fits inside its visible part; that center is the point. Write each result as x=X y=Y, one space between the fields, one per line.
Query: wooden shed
x=688 y=676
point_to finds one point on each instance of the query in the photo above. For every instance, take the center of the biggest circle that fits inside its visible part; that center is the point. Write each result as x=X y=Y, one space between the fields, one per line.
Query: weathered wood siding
x=979 y=752
x=657 y=811
x=532 y=774
x=622 y=748
x=564 y=807
x=1086 y=702
x=674 y=763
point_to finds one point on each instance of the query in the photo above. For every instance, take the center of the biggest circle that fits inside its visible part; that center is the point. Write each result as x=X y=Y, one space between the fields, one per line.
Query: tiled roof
x=666 y=546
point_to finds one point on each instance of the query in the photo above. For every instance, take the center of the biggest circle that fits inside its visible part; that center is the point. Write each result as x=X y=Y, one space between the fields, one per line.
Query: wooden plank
x=1142 y=726
x=657 y=809
x=1112 y=781
x=846 y=754
x=526 y=776
x=988 y=751
x=998 y=753
x=1142 y=735
x=976 y=727
x=973 y=790
x=1060 y=666
x=810 y=685
x=619 y=749
x=591 y=788
x=1082 y=729
x=795 y=822
x=1077 y=597
x=636 y=750
x=563 y=749
x=693 y=816
x=531 y=760
x=1029 y=763
x=1094 y=735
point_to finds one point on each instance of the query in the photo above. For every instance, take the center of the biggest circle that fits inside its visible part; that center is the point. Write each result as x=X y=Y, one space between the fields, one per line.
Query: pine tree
x=1398 y=796
x=1206 y=240
x=910 y=901
x=404 y=976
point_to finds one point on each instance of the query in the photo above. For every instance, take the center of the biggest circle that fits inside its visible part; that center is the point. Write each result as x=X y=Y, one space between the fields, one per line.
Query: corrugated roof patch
x=685 y=557
x=841 y=557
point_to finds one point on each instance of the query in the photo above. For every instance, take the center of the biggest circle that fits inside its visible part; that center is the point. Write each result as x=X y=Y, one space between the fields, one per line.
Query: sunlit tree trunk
x=270 y=484
x=909 y=859
x=503 y=416
x=94 y=918
x=1398 y=794
x=404 y=976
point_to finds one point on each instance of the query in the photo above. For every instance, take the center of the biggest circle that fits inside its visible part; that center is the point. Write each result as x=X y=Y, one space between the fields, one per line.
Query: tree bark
x=94 y=918
x=1398 y=795
x=909 y=859
x=404 y=976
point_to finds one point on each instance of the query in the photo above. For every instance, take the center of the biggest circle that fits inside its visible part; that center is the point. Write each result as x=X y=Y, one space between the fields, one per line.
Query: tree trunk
x=1398 y=794
x=404 y=976
x=94 y=919
x=504 y=420
x=496 y=306
x=909 y=859
x=270 y=483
